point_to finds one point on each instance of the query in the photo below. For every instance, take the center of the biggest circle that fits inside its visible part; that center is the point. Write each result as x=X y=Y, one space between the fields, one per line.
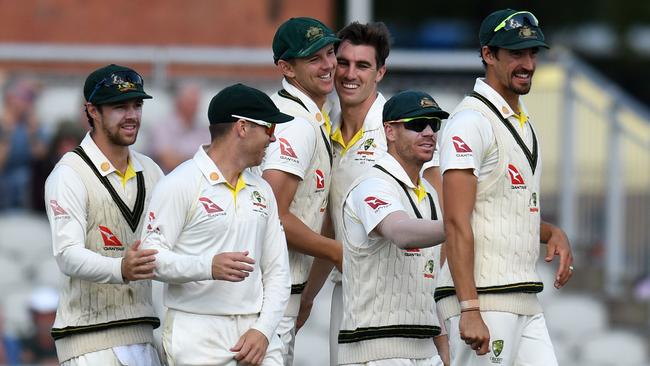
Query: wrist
x=469 y=305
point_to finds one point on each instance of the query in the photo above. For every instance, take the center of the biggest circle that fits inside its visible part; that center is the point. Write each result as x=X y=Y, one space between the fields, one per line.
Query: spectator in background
x=67 y=136
x=38 y=348
x=175 y=139
x=22 y=141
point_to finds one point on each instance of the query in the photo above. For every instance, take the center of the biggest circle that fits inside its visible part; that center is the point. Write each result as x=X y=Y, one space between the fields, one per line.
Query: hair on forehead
x=371 y=34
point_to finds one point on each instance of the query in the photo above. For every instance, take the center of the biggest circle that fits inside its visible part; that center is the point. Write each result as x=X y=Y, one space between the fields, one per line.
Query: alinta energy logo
x=211 y=208
x=286 y=151
x=320 y=180
x=111 y=241
x=516 y=179
x=497 y=348
x=375 y=203
x=462 y=149
x=58 y=211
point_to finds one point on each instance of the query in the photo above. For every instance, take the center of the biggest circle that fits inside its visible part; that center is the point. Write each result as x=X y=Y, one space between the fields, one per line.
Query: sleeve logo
x=375 y=202
x=286 y=149
x=152 y=218
x=460 y=145
x=111 y=242
x=57 y=210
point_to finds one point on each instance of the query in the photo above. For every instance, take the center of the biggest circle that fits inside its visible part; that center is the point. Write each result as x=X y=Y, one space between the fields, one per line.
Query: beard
x=117 y=139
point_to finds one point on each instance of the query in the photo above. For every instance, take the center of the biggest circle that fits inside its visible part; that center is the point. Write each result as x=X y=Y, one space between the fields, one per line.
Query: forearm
x=304 y=240
x=276 y=284
x=320 y=270
x=460 y=256
x=79 y=262
x=178 y=268
x=407 y=232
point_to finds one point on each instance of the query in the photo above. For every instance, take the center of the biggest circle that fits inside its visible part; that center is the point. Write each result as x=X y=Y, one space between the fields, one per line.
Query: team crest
x=368 y=143
x=526 y=32
x=428 y=269
x=123 y=85
x=427 y=102
x=258 y=199
x=497 y=347
x=314 y=33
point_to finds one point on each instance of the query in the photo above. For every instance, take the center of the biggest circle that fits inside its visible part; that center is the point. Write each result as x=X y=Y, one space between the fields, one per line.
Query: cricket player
x=221 y=247
x=95 y=199
x=358 y=140
x=298 y=165
x=491 y=166
x=391 y=221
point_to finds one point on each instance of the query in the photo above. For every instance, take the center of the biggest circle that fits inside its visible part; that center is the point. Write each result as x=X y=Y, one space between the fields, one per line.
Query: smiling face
x=510 y=72
x=357 y=74
x=410 y=147
x=117 y=123
x=313 y=75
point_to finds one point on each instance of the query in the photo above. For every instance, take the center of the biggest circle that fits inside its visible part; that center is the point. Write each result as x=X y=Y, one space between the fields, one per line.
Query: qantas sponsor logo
x=211 y=208
x=152 y=218
x=412 y=252
x=57 y=210
x=375 y=202
x=111 y=242
x=320 y=180
x=460 y=145
x=516 y=178
x=286 y=150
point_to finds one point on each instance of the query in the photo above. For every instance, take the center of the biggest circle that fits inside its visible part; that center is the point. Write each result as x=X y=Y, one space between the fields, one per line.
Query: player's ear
x=287 y=69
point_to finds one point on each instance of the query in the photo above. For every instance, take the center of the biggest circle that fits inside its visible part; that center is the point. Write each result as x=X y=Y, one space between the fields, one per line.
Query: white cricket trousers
x=143 y=354
x=336 y=316
x=515 y=340
x=198 y=339
x=434 y=361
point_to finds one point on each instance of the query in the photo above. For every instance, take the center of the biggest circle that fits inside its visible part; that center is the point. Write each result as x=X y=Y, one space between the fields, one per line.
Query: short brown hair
x=371 y=34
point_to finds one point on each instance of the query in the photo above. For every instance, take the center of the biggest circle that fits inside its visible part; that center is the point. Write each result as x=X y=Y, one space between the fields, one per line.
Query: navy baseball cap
x=241 y=101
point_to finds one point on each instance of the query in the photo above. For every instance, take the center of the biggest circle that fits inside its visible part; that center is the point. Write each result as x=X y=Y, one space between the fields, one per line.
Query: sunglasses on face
x=123 y=80
x=517 y=20
x=269 y=127
x=418 y=124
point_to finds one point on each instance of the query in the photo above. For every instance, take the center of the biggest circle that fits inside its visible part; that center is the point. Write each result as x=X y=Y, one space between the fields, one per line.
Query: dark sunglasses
x=122 y=79
x=517 y=20
x=418 y=124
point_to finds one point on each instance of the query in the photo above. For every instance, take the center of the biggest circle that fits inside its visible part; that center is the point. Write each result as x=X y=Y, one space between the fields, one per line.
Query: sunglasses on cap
x=124 y=80
x=516 y=20
x=418 y=124
x=270 y=127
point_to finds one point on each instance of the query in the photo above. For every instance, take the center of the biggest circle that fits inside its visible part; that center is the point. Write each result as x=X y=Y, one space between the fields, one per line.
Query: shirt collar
x=309 y=103
x=495 y=98
x=388 y=162
x=101 y=162
x=212 y=173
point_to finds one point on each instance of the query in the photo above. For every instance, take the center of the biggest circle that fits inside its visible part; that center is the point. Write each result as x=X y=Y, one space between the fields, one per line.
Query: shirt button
x=105 y=166
x=319 y=117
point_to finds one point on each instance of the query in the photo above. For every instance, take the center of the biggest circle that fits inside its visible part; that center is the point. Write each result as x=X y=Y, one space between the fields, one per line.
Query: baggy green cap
x=515 y=30
x=301 y=37
x=412 y=103
x=112 y=84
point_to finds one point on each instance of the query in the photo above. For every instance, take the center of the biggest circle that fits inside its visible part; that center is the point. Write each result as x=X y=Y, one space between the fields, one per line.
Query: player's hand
x=232 y=266
x=474 y=332
x=558 y=245
x=251 y=348
x=138 y=264
x=303 y=313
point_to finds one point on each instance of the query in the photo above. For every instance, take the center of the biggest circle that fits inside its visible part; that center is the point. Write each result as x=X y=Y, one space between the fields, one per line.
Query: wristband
x=469 y=304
